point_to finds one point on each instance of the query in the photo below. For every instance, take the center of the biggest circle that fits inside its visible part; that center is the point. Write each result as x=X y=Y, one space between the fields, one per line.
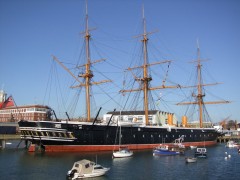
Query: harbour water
x=19 y=164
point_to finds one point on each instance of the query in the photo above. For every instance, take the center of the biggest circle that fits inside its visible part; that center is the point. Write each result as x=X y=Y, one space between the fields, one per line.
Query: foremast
x=88 y=75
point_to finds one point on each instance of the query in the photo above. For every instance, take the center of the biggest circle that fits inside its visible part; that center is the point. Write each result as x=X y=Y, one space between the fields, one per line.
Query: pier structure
x=6 y=137
x=224 y=139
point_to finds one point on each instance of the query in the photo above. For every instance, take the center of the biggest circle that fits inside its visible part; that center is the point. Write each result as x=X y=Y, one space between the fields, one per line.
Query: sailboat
x=123 y=151
x=142 y=131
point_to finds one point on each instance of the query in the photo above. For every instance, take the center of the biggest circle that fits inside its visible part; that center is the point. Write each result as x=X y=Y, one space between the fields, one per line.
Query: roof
x=9 y=102
x=132 y=112
x=84 y=166
x=27 y=106
x=83 y=162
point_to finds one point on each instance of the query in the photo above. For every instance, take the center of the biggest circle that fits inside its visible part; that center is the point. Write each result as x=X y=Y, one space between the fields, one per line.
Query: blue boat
x=164 y=150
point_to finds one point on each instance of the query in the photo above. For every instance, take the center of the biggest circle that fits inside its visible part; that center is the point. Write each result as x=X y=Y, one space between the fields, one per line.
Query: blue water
x=20 y=164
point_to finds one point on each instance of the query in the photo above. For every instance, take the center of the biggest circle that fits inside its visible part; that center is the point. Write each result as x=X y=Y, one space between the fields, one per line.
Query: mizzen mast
x=200 y=95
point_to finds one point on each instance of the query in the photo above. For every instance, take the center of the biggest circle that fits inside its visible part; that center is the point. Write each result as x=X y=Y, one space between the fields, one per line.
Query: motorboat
x=162 y=150
x=191 y=159
x=122 y=153
x=86 y=169
x=201 y=152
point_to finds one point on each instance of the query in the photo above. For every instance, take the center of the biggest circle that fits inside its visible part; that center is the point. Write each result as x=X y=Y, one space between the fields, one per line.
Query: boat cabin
x=83 y=167
x=201 y=150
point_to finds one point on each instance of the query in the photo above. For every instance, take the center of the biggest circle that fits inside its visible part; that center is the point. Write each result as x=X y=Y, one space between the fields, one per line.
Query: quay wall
x=224 y=139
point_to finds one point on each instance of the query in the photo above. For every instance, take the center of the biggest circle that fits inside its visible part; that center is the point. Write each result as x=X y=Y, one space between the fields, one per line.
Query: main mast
x=88 y=74
x=145 y=80
x=199 y=87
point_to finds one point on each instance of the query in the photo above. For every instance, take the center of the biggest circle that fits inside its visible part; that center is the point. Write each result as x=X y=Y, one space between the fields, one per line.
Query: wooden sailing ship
x=53 y=136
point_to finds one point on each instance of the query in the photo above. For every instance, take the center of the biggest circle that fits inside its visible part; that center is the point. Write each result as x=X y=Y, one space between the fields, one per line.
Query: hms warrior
x=137 y=133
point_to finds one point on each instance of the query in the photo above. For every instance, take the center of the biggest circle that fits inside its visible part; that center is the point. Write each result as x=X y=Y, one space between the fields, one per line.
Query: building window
x=166 y=121
x=120 y=118
x=140 y=118
x=130 y=119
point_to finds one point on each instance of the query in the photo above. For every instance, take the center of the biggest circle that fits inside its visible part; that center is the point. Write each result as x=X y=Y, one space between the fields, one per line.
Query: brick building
x=28 y=112
x=9 y=112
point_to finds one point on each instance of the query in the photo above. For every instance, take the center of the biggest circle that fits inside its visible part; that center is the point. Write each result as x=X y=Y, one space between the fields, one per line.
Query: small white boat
x=86 y=169
x=190 y=159
x=122 y=153
x=231 y=144
x=193 y=147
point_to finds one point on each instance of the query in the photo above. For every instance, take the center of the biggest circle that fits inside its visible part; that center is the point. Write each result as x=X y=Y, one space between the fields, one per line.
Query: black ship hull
x=58 y=136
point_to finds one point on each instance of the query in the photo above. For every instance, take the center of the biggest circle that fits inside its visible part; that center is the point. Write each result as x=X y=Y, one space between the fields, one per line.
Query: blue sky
x=33 y=30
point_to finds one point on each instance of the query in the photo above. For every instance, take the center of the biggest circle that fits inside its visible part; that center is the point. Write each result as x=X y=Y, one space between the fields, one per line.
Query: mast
x=88 y=75
x=145 y=80
x=200 y=95
x=120 y=131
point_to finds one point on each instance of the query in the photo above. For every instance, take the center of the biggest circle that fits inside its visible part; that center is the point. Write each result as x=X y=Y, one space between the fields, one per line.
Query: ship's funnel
x=184 y=121
x=170 y=119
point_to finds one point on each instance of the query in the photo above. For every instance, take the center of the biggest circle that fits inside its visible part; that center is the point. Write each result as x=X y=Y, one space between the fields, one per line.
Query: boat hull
x=53 y=136
x=165 y=153
x=122 y=153
x=90 y=175
x=191 y=159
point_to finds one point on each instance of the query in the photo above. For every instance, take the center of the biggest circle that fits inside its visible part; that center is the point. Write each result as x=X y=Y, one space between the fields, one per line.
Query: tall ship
x=140 y=129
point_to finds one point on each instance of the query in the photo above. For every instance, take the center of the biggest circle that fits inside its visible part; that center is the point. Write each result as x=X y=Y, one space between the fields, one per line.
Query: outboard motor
x=71 y=174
